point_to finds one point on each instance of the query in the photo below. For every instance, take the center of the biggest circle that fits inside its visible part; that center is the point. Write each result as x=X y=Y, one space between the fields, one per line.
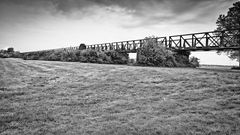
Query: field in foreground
x=43 y=97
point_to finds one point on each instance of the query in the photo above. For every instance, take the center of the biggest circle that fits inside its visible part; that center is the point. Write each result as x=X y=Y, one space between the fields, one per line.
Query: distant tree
x=231 y=21
x=82 y=47
x=10 y=49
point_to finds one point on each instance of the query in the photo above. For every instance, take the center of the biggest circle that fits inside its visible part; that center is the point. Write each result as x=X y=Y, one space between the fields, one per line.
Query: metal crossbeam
x=128 y=46
x=215 y=40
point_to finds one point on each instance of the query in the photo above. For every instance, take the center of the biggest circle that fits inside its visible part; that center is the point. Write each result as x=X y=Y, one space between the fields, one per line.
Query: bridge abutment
x=183 y=53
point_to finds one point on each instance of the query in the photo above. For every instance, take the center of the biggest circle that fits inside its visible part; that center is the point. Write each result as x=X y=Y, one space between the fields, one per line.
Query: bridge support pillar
x=182 y=57
x=183 y=53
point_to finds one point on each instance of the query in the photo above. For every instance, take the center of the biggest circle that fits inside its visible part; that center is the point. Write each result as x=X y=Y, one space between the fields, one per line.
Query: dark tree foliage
x=155 y=54
x=152 y=54
x=82 y=47
x=10 y=53
x=87 y=56
x=228 y=22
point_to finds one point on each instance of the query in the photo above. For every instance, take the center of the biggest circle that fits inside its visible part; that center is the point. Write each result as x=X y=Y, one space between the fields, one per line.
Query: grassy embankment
x=40 y=97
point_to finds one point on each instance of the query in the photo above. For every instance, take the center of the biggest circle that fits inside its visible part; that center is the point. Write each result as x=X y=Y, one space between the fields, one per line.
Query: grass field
x=43 y=97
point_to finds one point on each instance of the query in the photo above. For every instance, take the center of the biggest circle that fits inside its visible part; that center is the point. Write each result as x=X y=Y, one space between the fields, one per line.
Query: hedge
x=87 y=56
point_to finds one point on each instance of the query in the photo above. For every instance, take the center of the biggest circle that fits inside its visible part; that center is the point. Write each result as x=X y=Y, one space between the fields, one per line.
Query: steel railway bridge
x=204 y=41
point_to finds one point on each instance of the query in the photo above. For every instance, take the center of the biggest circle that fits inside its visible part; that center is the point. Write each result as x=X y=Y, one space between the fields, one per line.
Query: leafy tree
x=152 y=54
x=155 y=54
x=228 y=22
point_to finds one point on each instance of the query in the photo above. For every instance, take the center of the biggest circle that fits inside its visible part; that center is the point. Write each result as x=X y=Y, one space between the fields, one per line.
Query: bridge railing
x=66 y=49
x=214 y=40
x=228 y=39
x=131 y=45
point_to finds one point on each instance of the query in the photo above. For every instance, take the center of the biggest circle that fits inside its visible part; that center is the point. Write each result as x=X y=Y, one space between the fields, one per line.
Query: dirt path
x=44 y=97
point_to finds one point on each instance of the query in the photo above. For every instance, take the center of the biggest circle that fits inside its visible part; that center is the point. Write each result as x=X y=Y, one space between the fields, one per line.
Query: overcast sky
x=30 y=25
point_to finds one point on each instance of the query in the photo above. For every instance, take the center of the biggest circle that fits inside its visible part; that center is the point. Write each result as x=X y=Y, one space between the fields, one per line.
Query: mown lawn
x=43 y=97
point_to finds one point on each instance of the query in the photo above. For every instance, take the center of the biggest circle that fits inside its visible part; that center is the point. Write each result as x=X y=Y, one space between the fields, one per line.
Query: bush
x=2 y=55
x=108 y=57
x=31 y=56
x=117 y=57
x=155 y=54
x=90 y=56
x=194 y=62
x=55 y=56
x=10 y=54
x=68 y=56
x=103 y=58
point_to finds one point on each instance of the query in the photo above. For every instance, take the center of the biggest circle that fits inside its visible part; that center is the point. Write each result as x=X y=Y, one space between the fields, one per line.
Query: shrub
x=117 y=57
x=92 y=56
x=154 y=54
x=170 y=61
x=55 y=56
x=67 y=56
x=17 y=54
x=88 y=56
x=31 y=56
x=108 y=57
x=4 y=55
x=194 y=62
x=10 y=54
x=103 y=58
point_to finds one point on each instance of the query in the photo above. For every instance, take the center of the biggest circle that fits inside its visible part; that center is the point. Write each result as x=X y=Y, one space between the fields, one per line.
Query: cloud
x=49 y=23
x=139 y=12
